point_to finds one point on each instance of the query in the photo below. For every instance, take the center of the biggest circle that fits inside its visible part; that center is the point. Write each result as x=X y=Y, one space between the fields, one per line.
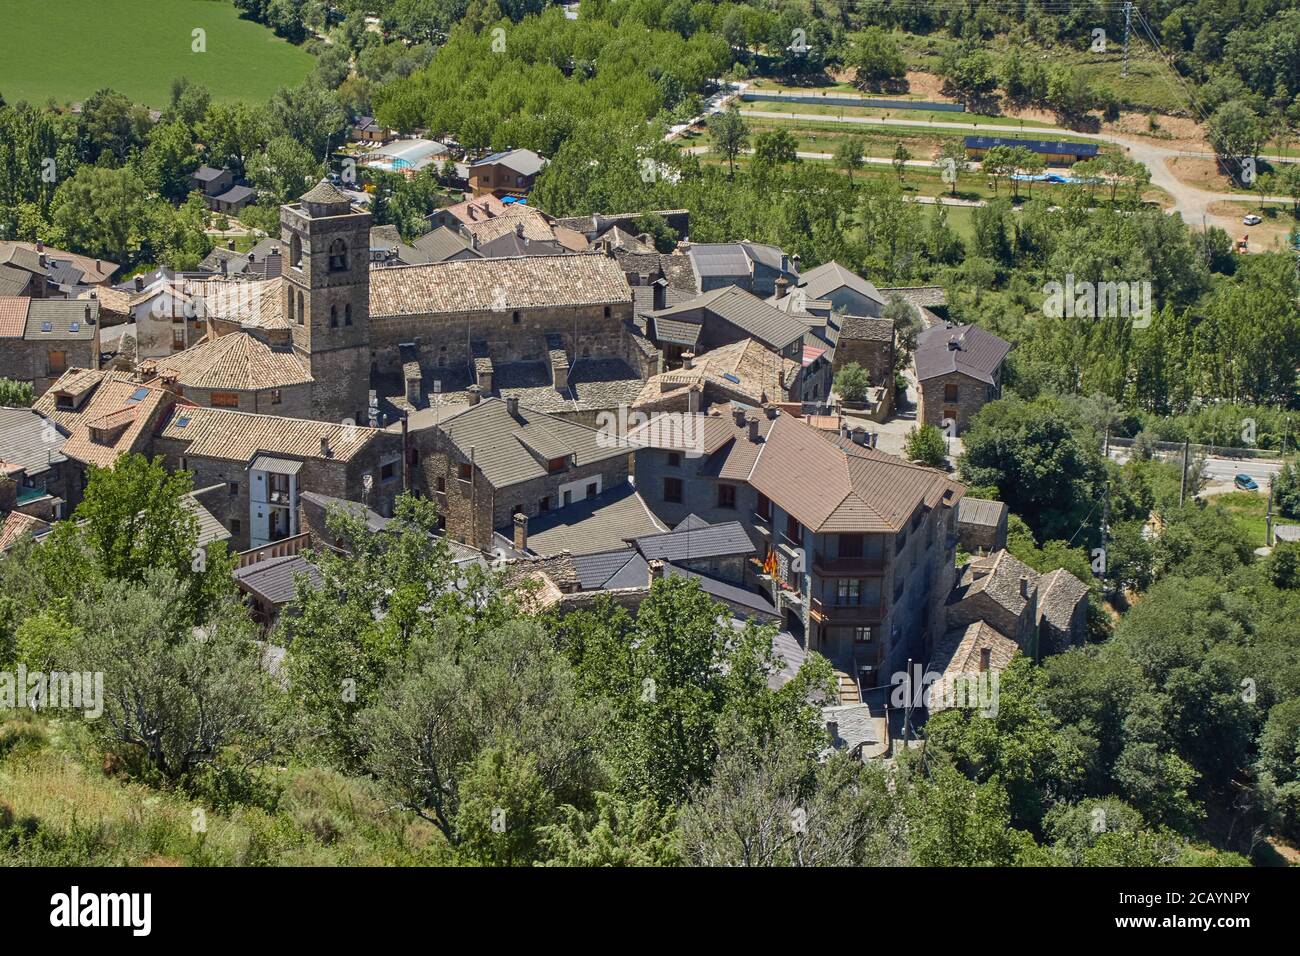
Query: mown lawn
x=67 y=50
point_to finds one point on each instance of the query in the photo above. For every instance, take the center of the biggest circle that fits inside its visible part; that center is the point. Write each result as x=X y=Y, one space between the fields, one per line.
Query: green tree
x=875 y=58
x=100 y=211
x=900 y=159
x=848 y=154
x=926 y=446
x=16 y=394
x=852 y=383
x=730 y=135
x=952 y=162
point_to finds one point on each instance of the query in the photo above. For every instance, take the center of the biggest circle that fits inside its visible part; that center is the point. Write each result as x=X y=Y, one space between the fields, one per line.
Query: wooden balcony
x=846 y=614
x=831 y=566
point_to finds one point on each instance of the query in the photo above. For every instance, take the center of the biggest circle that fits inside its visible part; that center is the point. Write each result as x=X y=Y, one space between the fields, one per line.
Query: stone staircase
x=846 y=688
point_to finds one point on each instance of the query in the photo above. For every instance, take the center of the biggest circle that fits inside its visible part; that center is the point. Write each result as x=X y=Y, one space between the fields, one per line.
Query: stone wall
x=972 y=395
x=28 y=360
x=295 y=400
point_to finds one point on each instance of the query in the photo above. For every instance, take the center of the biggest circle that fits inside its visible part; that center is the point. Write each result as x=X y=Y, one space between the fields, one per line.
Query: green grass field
x=69 y=49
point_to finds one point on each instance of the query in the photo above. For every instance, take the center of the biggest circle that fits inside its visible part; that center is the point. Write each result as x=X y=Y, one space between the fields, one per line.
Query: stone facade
x=954 y=397
x=447 y=340
x=472 y=508
x=327 y=300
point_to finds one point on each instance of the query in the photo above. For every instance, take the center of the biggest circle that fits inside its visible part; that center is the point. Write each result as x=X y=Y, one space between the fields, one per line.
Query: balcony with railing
x=832 y=565
x=846 y=613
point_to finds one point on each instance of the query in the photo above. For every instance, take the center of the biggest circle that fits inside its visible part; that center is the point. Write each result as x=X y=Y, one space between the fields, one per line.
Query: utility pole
x=1128 y=20
x=1182 y=485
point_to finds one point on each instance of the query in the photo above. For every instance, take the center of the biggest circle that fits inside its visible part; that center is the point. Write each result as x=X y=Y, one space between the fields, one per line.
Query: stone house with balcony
x=31 y=457
x=958 y=370
x=857 y=547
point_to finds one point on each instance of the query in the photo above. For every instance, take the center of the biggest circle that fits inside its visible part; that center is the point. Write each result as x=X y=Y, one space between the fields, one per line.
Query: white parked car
x=1251 y=220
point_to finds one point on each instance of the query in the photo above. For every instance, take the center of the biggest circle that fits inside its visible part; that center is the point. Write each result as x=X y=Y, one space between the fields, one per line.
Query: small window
x=334 y=317
x=518 y=509
x=466 y=471
x=178 y=339
x=58 y=362
x=850 y=546
x=224 y=400
x=235 y=526
x=607 y=312
x=388 y=471
x=556 y=464
x=673 y=490
x=232 y=487
x=726 y=496
x=848 y=591
x=674 y=459
x=763 y=507
x=543 y=504
x=862 y=635
x=591 y=489
x=441 y=484
x=514 y=317
x=275 y=396
x=793 y=530
x=347 y=314
x=950 y=393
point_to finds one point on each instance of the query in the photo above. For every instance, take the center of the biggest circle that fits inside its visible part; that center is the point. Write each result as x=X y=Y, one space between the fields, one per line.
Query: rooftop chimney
x=688 y=360
x=954 y=343
x=519 y=229
x=782 y=286
x=325 y=447
x=738 y=414
x=753 y=429
x=656 y=570
x=794 y=261
x=1024 y=586
x=474 y=393
x=139 y=283
x=512 y=405
x=693 y=399
x=230 y=244
x=87 y=311
x=521 y=532
x=223 y=267
x=771 y=412
x=40 y=246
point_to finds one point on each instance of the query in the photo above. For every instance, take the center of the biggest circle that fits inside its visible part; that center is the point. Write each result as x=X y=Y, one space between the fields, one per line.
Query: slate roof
x=717 y=540
x=13 y=281
x=238 y=362
x=1059 y=593
x=273 y=579
x=29 y=440
x=443 y=243
x=522 y=161
x=501 y=441
x=95 y=271
x=855 y=726
x=866 y=328
x=325 y=193
x=979 y=511
x=593 y=524
x=210 y=528
x=980 y=354
x=724 y=591
x=998 y=576
x=820 y=282
x=749 y=313
x=481 y=285
x=375 y=522
x=607 y=570
x=958 y=652
x=66 y=319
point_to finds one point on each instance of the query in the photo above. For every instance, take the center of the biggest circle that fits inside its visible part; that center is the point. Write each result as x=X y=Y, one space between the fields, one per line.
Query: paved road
x=1223 y=469
x=1191 y=202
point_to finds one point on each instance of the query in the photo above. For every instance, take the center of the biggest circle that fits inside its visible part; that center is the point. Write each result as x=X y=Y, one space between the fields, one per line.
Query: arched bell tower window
x=295 y=252
x=338 y=256
x=334 y=316
x=300 y=309
x=347 y=314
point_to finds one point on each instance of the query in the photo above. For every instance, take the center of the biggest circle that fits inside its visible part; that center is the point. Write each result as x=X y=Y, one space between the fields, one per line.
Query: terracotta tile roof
x=239 y=361
x=13 y=316
x=533 y=220
x=253 y=303
x=828 y=483
x=124 y=407
x=238 y=436
x=16 y=524
x=477 y=209
x=480 y=285
x=761 y=375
